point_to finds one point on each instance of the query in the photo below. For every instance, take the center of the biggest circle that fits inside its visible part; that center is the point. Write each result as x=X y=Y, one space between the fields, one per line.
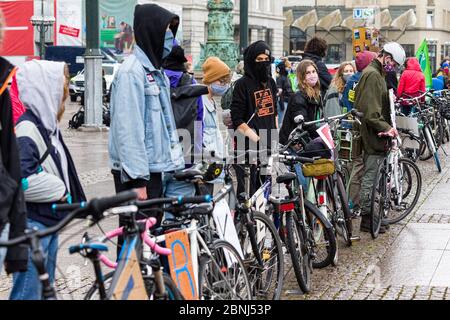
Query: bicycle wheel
x=410 y=181
x=298 y=248
x=223 y=276
x=343 y=216
x=173 y=293
x=379 y=202
x=324 y=239
x=266 y=280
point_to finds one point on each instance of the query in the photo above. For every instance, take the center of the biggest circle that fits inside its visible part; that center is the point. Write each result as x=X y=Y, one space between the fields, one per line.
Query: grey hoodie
x=41 y=89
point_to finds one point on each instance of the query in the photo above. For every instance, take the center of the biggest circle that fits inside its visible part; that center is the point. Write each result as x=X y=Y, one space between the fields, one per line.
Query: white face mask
x=347 y=77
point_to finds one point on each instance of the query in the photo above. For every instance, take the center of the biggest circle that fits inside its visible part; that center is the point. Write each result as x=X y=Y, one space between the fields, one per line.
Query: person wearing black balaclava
x=253 y=108
x=143 y=140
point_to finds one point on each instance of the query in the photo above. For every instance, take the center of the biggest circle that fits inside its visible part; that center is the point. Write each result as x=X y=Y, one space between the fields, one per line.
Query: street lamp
x=42 y=24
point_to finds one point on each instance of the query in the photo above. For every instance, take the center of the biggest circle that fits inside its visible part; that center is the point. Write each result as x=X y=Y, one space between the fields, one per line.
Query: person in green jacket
x=372 y=99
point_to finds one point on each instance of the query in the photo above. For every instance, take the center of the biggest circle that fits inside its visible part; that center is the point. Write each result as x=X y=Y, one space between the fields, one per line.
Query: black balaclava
x=150 y=24
x=259 y=71
x=175 y=60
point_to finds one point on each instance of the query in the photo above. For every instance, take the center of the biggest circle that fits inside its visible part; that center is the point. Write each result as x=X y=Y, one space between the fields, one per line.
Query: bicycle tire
x=173 y=293
x=412 y=168
x=211 y=292
x=256 y=278
x=347 y=226
x=300 y=258
x=437 y=162
x=318 y=227
x=379 y=195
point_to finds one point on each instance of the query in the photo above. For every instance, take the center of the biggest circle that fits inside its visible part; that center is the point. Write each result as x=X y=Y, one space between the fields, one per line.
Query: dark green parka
x=372 y=99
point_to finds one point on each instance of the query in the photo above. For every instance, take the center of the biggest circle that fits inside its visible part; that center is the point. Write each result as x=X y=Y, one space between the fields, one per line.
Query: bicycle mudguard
x=318 y=214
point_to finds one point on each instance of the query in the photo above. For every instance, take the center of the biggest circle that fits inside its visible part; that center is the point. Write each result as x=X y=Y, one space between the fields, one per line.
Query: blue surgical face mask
x=218 y=89
x=168 y=43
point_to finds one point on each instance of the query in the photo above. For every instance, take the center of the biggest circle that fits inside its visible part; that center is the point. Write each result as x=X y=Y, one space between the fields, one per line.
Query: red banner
x=19 y=34
x=69 y=31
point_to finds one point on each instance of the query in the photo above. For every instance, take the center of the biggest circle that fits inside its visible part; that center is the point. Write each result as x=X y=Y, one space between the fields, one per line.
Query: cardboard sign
x=225 y=227
x=325 y=133
x=130 y=285
x=180 y=264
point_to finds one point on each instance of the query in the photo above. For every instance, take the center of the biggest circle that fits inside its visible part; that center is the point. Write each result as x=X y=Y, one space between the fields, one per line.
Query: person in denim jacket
x=143 y=141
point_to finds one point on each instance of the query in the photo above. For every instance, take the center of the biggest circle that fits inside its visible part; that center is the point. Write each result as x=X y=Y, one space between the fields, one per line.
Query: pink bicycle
x=132 y=278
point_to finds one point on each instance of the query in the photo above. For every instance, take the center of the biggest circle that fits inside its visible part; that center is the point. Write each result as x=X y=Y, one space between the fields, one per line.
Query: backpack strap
x=46 y=153
x=186 y=79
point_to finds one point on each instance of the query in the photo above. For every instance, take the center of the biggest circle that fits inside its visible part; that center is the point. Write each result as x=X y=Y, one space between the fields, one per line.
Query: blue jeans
x=26 y=284
x=174 y=188
x=3 y=237
x=281 y=112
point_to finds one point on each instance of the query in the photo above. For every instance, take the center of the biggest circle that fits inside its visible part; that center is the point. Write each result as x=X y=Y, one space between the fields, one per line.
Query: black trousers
x=255 y=179
x=154 y=190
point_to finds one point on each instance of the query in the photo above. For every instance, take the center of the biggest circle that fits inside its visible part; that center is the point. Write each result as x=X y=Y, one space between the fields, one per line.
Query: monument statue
x=220 y=42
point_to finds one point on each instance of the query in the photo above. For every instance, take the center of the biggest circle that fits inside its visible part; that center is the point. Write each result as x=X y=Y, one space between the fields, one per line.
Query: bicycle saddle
x=286 y=177
x=189 y=175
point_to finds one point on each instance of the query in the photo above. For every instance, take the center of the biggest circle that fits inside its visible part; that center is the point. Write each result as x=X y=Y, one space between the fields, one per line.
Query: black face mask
x=262 y=70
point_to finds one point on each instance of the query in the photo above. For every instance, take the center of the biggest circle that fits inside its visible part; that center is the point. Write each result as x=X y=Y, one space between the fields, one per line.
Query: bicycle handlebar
x=96 y=206
x=174 y=201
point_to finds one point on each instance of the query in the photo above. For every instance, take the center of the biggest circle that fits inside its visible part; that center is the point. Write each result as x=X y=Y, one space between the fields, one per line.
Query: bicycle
x=259 y=239
x=427 y=139
x=95 y=208
x=392 y=188
x=329 y=188
x=307 y=230
x=156 y=283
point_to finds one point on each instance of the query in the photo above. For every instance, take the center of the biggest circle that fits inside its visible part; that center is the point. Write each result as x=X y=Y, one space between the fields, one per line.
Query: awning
x=308 y=20
x=405 y=20
x=383 y=19
x=331 y=20
x=351 y=23
x=289 y=18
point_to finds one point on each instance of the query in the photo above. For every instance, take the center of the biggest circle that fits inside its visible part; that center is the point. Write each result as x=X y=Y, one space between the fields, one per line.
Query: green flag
x=425 y=65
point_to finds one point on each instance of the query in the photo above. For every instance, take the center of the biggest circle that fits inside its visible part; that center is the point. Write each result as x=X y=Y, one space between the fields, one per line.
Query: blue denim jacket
x=143 y=136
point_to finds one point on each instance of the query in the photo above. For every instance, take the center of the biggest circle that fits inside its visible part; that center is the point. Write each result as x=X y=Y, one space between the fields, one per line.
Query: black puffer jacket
x=16 y=257
x=300 y=104
x=324 y=76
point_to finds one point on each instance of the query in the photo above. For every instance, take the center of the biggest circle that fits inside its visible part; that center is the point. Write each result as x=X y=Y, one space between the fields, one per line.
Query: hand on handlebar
x=391 y=133
x=141 y=193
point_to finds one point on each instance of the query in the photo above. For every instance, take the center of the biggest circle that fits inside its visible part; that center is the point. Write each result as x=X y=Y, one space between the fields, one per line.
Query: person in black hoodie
x=12 y=203
x=253 y=107
x=316 y=50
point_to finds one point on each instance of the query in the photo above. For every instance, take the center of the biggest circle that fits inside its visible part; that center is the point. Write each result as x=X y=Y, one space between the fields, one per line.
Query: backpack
x=184 y=100
x=77 y=119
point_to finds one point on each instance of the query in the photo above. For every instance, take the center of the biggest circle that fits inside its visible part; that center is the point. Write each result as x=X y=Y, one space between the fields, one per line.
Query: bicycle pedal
x=355 y=238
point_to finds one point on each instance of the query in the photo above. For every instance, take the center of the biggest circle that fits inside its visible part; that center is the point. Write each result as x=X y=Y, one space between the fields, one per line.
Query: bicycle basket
x=320 y=168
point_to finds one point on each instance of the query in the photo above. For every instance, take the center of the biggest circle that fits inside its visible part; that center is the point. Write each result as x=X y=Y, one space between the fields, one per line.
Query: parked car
x=76 y=86
x=73 y=56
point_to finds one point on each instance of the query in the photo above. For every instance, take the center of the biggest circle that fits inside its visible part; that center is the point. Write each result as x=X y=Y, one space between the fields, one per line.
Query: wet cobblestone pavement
x=410 y=262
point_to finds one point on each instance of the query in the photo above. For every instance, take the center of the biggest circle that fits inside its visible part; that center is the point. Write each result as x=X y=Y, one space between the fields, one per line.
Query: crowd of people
x=145 y=147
